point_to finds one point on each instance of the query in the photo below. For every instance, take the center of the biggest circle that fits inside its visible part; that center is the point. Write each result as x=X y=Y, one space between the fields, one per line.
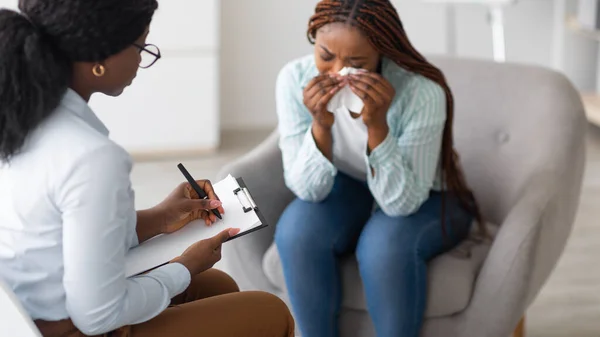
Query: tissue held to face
x=338 y=45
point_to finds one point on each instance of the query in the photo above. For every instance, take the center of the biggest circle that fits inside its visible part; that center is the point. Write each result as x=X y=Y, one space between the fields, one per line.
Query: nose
x=336 y=67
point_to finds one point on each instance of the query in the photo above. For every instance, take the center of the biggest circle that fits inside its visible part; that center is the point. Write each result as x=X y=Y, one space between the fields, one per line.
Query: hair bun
x=11 y=18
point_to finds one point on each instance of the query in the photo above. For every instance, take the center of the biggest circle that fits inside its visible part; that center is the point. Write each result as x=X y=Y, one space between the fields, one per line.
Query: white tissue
x=346 y=98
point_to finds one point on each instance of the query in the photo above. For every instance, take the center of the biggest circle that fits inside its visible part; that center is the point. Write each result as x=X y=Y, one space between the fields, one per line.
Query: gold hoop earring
x=98 y=70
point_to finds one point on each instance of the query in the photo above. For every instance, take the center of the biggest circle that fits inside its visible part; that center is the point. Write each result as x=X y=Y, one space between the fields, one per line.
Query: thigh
x=335 y=222
x=243 y=314
x=212 y=282
x=422 y=234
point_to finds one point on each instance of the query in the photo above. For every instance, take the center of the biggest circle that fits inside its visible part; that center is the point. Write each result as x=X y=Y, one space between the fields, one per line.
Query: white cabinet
x=172 y=107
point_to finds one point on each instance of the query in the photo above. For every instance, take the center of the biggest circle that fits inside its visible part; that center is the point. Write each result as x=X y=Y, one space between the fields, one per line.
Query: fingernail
x=215 y=203
x=234 y=231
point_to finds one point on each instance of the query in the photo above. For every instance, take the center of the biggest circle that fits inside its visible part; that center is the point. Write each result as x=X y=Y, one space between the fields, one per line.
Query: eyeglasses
x=150 y=54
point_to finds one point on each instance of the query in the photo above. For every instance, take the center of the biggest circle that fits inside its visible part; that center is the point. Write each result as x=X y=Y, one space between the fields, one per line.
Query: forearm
x=149 y=224
x=394 y=183
x=376 y=136
x=307 y=171
x=133 y=301
x=323 y=140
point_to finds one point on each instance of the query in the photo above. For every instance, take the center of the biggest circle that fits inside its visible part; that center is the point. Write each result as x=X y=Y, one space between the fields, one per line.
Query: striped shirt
x=406 y=163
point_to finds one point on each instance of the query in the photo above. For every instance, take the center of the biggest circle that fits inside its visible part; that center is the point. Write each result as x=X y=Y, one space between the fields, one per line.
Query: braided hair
x=379 y=20
x=39 y=46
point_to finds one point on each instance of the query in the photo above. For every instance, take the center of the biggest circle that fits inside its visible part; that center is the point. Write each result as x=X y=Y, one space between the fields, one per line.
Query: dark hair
x=39 y=46
x=379 y=20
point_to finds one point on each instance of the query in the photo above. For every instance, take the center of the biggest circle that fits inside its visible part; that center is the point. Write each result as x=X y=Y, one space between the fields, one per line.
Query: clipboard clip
x=245 y=199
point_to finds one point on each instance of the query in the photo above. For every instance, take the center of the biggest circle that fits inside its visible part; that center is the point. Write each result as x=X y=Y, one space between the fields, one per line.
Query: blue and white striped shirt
x=406 y=164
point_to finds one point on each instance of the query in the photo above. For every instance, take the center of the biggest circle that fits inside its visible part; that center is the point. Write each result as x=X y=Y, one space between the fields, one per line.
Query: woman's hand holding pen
x=183 y=205
x=177 y=210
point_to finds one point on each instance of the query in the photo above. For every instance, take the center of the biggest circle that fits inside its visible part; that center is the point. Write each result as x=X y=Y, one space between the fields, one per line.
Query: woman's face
x=119 y=71
x=121 y=68
x=338 y=45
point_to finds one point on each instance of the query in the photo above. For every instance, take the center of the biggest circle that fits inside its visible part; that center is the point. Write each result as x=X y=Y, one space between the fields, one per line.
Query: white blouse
x=67 y=219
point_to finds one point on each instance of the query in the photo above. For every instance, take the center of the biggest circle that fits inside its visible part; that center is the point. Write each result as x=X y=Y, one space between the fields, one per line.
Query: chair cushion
x=451 y=277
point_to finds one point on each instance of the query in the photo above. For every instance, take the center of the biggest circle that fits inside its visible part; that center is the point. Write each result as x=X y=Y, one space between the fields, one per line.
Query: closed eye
x=326 y=57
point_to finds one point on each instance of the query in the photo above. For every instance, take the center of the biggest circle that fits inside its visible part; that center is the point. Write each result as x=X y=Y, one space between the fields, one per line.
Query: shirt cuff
x=383 y=152
x=175 y=276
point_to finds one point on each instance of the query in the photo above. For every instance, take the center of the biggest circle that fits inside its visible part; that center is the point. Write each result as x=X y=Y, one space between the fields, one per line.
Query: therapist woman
x=67 y=214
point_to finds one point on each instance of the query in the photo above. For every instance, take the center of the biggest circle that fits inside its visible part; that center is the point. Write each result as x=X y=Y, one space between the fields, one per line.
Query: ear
x=99 y=70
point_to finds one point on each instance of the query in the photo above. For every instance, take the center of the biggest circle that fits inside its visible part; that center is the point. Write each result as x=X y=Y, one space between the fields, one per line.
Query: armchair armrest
x=262 y=171
x=524 y=252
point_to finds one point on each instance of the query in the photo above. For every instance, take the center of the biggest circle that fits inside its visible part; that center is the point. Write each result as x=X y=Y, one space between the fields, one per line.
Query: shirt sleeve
x=97 y=208
x=404 y=166
x=132 y=236
x=307 y=172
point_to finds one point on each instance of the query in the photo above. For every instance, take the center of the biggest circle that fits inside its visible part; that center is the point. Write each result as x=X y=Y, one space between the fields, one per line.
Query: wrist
x=320 y=129
x=158 y=218
x=376 y=135
x=150 y=223
x=378 y=129
x=187 y=263
x=375 y=121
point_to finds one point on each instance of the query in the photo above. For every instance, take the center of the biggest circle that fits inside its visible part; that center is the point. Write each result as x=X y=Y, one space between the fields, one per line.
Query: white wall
x=260 y=36
x=257 y=38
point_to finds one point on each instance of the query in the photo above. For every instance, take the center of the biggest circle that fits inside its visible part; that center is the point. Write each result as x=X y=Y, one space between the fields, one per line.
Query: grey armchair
x=520 y=133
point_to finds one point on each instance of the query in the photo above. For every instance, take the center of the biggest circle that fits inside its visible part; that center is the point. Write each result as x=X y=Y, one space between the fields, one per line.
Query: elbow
x=89 y=326
x=395 y=211
x=309 y=193
x=90 y=330
x=96 y=321
x=311 y=197
x=406 y=205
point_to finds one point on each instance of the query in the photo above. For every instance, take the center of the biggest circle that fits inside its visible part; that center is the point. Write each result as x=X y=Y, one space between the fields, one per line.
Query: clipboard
x=241 y=211
x=248 y=205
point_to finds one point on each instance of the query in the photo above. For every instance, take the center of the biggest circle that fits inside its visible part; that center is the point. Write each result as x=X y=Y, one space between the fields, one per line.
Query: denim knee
x=293 y=230
x=378 y=258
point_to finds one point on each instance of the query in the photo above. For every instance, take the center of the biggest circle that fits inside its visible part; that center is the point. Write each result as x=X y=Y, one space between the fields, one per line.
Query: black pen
x=201 y=193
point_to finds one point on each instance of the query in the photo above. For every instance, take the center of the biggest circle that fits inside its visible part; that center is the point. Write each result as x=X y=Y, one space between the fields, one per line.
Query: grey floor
x=569 y=304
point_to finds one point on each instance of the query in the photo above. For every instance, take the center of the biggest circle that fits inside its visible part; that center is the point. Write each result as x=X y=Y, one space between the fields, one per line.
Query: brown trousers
x=212 y=306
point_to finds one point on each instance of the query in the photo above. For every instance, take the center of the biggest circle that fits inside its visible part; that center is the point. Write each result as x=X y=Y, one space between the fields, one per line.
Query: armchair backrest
x=511 y=123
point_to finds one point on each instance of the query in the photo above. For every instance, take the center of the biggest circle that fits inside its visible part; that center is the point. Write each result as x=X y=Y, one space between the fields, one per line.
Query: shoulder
x=415 y=93
x=68 y=141
x=297 y=73
x=412 y=85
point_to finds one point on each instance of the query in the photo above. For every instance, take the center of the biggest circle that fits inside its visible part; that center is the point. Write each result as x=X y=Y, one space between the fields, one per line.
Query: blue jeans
x=392 y=254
